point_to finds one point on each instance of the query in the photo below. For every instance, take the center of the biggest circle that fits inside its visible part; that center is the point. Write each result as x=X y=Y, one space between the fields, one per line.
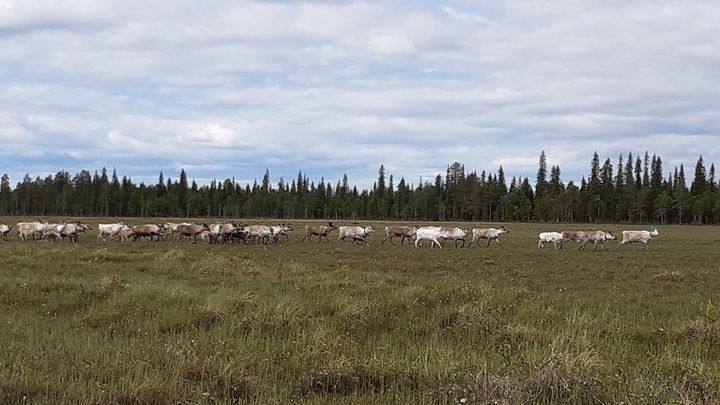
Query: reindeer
x=320 y=231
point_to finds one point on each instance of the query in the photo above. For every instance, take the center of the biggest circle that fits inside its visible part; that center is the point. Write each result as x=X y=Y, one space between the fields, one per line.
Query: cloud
x=464 y=16
x=342 y=87
x=390 y=45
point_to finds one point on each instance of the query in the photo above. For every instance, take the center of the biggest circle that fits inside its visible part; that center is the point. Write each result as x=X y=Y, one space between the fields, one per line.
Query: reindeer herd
x=234 y=232
x=230 y=232
x=597 y=238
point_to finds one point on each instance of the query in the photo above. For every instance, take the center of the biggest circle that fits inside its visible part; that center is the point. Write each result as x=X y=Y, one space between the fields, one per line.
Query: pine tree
x=114 y=193
x=625 y=205
x=161 y=185
x=541 y=178
x=183 y=193
x=103 y=201
x=593 y=190
x=501 y=191
x=638 y=173
x=607 y=194
x=5 y=195
x=699 y=184
x=266 y=182
x=542 y=201
x=682 y=196
x=712 y=185
x=381 y=181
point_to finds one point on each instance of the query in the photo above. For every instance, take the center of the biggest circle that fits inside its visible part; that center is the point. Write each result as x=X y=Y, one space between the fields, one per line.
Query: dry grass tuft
x=670 y=276
x=16 y=392
x=112 y=284
x=208 y=318
x=106 y=254
x=175 y=254
x=241 y=303
x=149 y=396
x=565 y=376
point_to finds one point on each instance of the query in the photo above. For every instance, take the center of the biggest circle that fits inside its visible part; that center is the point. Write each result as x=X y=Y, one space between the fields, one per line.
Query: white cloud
x=390 y=45
x=464 y=16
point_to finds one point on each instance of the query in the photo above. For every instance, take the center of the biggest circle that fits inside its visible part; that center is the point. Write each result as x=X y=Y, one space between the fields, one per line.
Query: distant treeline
x=635 y=190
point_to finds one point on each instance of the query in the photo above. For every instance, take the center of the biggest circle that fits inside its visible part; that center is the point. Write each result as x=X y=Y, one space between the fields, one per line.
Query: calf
x=639 y=237
x=489 y=234
x=206 y=236
x=598 y=238
x=320 y=231
x=125 y=233
x=431 y=233
x=356 y=233
x=4 y=231
x=545 y=237
x=400 y=231
x=455 y=234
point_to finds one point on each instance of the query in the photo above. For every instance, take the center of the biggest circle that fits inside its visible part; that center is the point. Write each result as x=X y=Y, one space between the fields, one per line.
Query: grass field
x=167 y=322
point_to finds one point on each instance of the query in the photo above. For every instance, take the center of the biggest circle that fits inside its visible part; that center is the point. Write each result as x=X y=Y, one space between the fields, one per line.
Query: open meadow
x=163 y=322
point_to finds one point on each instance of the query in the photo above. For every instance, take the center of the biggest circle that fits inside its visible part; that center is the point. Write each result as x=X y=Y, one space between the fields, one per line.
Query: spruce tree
x=712 y=185
x=5 y=195
x=699 y=184
x=183 y=193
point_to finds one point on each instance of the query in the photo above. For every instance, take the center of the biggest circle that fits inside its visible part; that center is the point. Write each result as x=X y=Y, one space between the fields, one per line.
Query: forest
x=634 y=190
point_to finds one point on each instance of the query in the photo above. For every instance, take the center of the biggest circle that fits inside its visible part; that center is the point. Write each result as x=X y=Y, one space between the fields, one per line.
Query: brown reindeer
x=71 y=231
x=320 y=231
x=402 y=232
x=598 y=238
x=148 y=231
x=573 y=237
x=193 y=231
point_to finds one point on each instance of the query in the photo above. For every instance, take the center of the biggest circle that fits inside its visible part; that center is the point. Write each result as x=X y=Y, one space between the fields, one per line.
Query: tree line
x=633 y=190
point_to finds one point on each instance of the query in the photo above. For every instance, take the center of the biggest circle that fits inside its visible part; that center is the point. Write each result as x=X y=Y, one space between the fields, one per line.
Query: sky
x=231 y=88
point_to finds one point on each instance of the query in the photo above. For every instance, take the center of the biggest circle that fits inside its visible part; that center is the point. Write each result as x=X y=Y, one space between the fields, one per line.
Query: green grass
x=163 y=322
